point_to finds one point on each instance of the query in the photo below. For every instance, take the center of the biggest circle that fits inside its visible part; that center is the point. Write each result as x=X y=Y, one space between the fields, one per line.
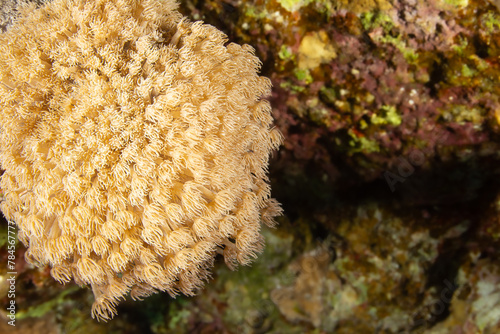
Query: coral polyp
x=135 y=146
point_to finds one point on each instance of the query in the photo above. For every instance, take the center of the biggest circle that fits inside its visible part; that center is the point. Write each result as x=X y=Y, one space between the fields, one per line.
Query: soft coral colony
x=135 y=146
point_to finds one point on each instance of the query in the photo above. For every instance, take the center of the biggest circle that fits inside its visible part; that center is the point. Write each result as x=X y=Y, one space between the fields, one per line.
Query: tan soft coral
x=135 y=146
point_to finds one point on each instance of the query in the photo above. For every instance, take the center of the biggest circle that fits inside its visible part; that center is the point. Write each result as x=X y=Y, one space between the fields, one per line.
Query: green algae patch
x=50 y=305
x=388 y=115
x=294 y=5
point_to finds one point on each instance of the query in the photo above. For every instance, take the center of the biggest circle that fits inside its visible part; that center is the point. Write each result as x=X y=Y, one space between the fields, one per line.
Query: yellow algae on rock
x=315 y=49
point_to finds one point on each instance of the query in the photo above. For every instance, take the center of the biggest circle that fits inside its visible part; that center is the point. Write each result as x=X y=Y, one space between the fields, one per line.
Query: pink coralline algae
x=417 y=77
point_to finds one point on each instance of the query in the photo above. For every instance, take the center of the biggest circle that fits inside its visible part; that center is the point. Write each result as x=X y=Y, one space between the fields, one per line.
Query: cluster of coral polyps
x=135 y=146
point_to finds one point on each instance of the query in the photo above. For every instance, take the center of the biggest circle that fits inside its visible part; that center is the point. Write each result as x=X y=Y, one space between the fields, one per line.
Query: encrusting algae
x=135 y=146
